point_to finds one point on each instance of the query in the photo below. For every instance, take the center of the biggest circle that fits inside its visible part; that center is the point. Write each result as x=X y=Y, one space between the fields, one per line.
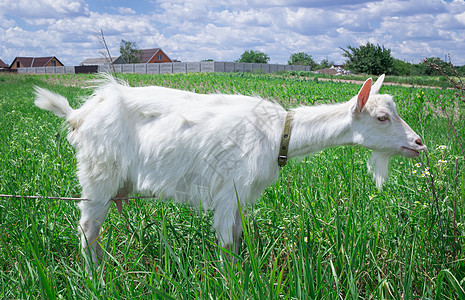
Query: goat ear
x=375 y=88
x=363 y=95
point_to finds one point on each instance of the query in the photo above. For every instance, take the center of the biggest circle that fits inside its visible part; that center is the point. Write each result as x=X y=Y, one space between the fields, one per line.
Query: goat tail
x=52 y=102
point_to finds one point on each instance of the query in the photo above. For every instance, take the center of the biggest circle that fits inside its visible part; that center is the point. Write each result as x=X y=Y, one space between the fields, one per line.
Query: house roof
x=3 y=65
x=96 y=61
x=147 y=54
x=35 y=61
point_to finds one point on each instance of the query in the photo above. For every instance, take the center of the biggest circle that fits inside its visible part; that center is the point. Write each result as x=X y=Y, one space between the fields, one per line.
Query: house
x=153 y=56
x=101 y=61
x=27 y=62
x=3 y=65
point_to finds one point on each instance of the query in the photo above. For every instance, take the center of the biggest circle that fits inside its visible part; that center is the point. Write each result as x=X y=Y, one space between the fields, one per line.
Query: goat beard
x=379 y=166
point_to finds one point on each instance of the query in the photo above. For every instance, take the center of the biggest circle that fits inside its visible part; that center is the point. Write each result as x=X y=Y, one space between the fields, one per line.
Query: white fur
x=213 y=151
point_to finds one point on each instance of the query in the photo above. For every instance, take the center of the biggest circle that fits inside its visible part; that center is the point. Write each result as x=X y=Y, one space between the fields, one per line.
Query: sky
x=194 y=30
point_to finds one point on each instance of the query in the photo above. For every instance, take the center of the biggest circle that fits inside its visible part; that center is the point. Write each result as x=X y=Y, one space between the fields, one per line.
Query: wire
x=69 y=198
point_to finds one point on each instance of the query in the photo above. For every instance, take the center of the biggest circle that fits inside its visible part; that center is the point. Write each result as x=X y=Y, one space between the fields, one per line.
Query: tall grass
x=323 y=231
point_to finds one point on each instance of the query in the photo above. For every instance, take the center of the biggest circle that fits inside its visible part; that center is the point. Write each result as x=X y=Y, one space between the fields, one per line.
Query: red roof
x=147 y=54
x=28 y=62
x=25 y=61
x=3 y=65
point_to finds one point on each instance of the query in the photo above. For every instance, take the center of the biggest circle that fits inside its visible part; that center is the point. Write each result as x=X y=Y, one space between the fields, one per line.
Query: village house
x=101 y=61
x=148 y=56
x=28 y=62
x=151 y=56
x=3 y=65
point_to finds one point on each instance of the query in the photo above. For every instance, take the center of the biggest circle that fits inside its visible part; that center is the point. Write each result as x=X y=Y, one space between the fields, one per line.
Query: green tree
x=129 y=51
x=301 y=59
x=428 y=64
x=326 y=63
x=461 y=70
x=369 y=59
x=323 y=64
x=402 y=68
x=252 y=56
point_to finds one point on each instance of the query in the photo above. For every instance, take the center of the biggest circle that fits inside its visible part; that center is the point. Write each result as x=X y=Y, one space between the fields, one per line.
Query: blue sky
x=194 y=30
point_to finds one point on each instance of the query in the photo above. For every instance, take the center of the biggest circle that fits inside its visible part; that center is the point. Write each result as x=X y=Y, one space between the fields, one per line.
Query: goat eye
x=383 y=118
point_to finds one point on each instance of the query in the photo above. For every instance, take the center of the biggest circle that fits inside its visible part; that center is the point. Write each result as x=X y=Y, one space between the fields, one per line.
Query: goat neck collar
x=285 y=137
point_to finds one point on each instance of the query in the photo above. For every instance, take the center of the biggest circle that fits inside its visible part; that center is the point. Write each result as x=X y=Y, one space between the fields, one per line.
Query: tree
x=461 y=70
x=402 y=68
x=369 y=59
x=254 y=57
x=129 y=51
x=325 y=64
x=445 y=67
x=301 y=59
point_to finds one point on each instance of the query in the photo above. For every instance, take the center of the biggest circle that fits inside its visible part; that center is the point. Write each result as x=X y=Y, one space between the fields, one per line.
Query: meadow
x=323 y=231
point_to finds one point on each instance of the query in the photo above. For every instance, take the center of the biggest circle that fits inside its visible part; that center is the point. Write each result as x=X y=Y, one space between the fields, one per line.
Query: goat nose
x=418 y=142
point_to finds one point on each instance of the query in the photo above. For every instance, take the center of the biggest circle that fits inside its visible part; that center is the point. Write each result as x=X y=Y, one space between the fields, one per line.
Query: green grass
x=323 y=231
x=416 y=81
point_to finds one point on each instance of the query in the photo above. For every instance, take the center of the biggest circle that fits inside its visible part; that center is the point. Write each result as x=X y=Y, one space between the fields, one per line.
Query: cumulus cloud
x=44 y=8
x=6 y=22
x=222 y=30
x=307 y=3
x=126 y=10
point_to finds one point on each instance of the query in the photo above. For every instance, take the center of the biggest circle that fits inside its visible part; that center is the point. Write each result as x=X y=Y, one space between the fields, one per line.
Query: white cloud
x=307 y=3
x=6 y=22
x=250 y=17
x=406 y=7
x=44 y=8
x=461 y=18
x=126 y=11
x=222 y=30
x=312 y=21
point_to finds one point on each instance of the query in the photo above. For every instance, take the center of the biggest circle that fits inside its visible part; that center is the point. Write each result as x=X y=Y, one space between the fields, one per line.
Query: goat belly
x=192 y=162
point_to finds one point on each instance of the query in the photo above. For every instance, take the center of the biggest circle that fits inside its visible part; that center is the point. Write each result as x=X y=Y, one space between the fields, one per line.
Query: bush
x=369 y=59
x=301 y=59
x=252 y=56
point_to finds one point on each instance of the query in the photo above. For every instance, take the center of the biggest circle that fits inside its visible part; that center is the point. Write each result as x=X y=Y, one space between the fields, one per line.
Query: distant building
x=152 y=56
x=27 y=62
x=3 y=65
x=148 y=56
x=101 y=61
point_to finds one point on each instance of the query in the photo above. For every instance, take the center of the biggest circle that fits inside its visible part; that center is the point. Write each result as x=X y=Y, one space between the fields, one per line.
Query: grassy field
x=415 y=81
x=323 y=231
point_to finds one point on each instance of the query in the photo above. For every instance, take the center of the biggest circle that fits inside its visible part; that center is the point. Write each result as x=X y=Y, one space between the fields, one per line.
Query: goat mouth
x=409 y=152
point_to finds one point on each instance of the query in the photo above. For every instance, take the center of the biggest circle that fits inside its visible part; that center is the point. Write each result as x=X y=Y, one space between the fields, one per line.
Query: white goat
x=210 y=150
